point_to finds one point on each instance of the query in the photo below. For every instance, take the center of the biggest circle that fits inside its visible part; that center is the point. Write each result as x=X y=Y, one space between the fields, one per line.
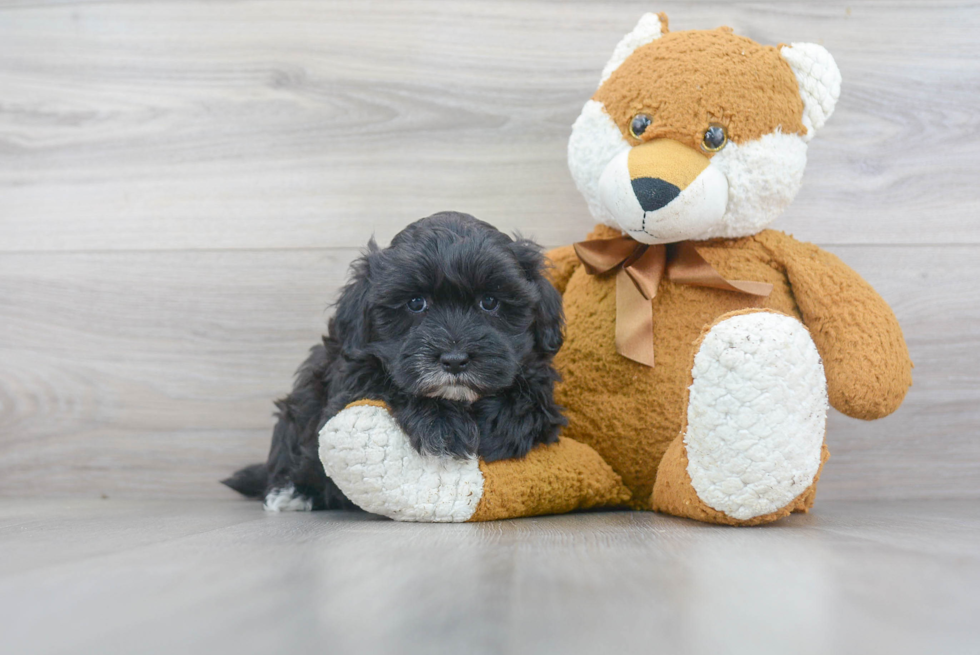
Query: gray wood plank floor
x=225 y=577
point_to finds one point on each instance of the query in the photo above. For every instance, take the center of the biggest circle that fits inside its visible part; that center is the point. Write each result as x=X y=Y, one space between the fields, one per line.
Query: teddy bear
x=702 y=349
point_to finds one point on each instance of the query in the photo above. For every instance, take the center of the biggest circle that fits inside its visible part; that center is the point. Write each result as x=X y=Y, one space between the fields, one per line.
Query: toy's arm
x=564 y=262
x=864 y=353
x=369 y=458
x=552 y=479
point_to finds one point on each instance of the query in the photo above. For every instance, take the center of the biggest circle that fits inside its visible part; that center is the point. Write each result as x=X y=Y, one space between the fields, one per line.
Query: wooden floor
x=223 y=576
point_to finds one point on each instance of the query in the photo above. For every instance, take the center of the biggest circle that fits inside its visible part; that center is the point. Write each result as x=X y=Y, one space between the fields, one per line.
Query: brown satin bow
x=641 y=268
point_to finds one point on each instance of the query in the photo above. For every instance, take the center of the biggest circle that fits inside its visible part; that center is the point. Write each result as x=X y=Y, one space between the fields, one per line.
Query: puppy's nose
x=455 y=361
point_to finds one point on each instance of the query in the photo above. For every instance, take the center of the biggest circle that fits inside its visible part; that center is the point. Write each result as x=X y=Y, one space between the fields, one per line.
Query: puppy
x=454 y=326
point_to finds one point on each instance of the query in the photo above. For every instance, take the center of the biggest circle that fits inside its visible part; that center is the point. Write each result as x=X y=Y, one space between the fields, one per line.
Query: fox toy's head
x=699 y=134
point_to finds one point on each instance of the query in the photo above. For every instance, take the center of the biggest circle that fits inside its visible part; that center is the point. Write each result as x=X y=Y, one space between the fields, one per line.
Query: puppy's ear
x=352 y=320
x=549 y=319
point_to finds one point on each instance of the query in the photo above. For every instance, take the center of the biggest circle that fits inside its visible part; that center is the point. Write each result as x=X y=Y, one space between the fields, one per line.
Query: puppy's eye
x=488 y=303
x=417 y=304
x=639 y=125
x=714 y=138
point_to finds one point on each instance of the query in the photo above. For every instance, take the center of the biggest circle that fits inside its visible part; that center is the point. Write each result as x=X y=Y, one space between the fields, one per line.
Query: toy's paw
x=369 y=458
x=756 y=417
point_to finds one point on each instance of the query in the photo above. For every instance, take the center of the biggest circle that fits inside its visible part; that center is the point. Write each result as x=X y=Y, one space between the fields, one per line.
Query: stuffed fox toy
x=701 y=348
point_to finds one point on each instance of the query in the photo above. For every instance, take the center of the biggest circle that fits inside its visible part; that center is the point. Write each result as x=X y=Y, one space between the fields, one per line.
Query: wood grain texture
x=182 y=186
x=225 y=577
x=281 y=123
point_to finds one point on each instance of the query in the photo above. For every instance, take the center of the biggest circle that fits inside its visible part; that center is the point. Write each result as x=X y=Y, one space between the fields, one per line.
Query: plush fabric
x=630 y=413
x=552 y=479
x=687 y=80
x=675 y=495
x=860 y=341
x=366 y=454
x=756 y=414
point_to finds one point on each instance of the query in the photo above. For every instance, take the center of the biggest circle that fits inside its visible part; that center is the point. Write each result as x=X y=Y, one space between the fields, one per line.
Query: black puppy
x=454 y=327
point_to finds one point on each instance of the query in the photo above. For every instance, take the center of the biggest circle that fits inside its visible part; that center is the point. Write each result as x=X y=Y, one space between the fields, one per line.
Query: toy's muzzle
x=661 y=169
x=663 y=191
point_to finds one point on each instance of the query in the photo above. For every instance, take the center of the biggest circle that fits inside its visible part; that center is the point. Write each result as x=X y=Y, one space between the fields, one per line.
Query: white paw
x=369 y=457
x=287 y=500
x=756 y=415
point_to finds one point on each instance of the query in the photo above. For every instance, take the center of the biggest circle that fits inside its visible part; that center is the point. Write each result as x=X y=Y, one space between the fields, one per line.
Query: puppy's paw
x=511 y=425
x=439 y=427
x=370 y=458
x=287 y=499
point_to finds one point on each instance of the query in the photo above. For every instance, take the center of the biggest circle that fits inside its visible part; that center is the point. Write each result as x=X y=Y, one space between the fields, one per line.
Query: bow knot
x=640 y=267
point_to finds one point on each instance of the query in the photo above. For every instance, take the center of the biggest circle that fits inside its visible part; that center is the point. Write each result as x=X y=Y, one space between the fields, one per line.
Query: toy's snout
x=660 y=169
x=662 y=191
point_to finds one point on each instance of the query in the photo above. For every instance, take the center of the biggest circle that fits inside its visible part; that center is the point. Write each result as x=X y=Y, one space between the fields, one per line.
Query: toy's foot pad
x=756 y=415
x=367 y=455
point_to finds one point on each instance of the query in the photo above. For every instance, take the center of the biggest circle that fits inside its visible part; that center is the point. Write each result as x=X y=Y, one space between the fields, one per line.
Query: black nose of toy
x=654 y=193
x=454 y=362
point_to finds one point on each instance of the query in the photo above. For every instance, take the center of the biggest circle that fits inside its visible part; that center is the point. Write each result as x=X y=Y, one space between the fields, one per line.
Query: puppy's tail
x=250 y=481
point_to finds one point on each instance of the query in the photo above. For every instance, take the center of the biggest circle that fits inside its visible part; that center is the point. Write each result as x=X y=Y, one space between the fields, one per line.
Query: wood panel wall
x=182 y=186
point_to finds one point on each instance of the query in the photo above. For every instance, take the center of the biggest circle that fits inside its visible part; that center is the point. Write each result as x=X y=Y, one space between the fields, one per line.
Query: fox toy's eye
x=639 y=125
x=417 y=304
x=714 y=138
x=489 y=303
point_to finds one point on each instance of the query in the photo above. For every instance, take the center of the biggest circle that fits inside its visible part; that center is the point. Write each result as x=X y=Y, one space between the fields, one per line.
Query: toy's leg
x=751 y=448
x=369 y=458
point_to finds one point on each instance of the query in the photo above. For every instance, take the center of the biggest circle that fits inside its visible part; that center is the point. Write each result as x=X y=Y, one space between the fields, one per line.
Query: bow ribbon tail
x=636 y=286
x=687 y=266
x=634 y=321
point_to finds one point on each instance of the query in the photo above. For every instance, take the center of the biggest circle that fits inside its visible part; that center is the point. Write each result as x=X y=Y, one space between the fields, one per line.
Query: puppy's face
x=451 y=309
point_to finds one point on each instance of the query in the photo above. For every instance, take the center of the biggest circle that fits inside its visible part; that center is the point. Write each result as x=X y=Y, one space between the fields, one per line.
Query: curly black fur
x=497 y=405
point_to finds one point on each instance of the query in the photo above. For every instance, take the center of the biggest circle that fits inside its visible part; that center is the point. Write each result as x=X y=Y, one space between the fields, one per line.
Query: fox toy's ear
x=819 y=80
x=649 y=28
